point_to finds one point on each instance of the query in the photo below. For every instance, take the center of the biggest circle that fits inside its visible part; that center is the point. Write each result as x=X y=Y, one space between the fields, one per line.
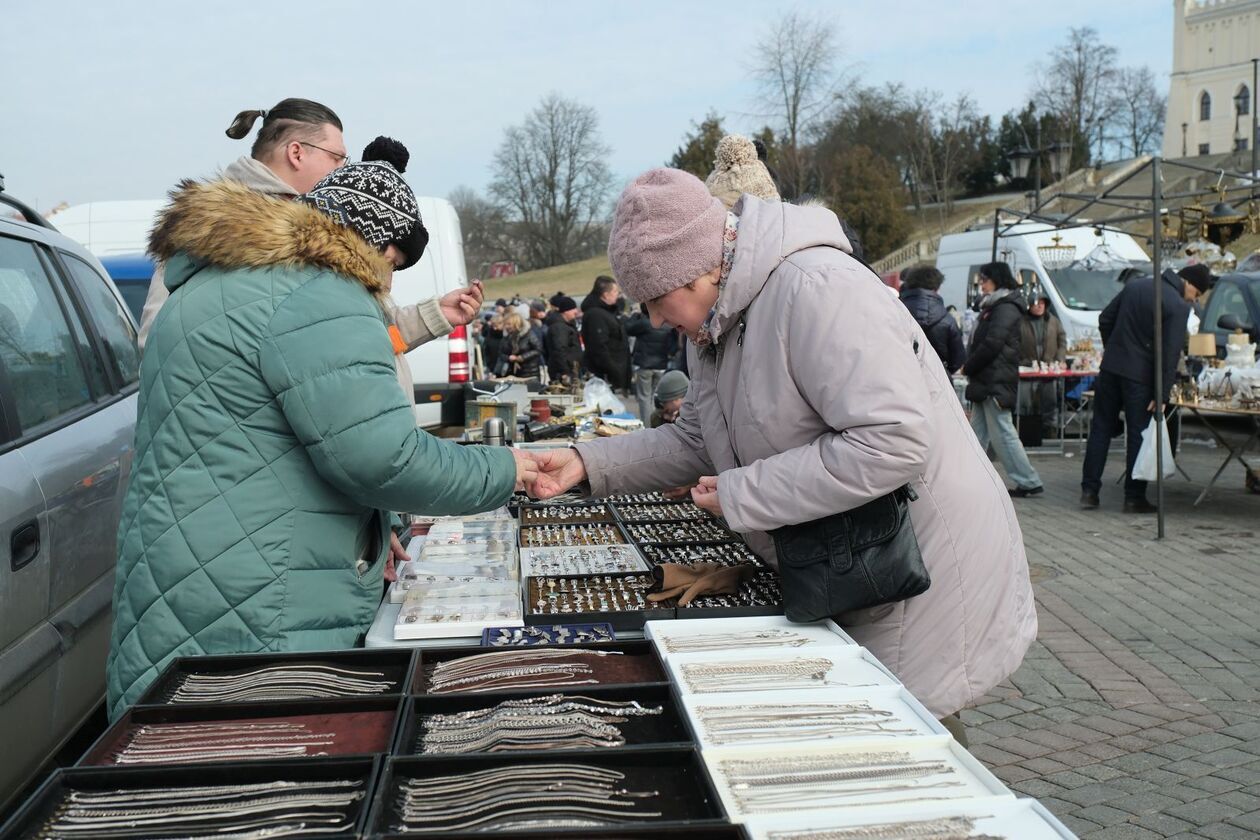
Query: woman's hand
x=705 y=495
x=683 y=492
x=526 y=470
x=397 y=554
x=558 y=470
x=461 y=306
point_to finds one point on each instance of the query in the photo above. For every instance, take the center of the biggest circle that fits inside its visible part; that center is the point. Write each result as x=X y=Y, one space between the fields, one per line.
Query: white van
x=1077 y=292
x=439 y=368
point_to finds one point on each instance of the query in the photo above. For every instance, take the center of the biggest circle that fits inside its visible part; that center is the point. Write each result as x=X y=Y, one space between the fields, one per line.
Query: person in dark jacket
x=654 y=349
x=1041 y=339
x=493 y=333
x=1126 y=380
x=564 y=345
x=537 y=325
x=992 y=369
x=919 y=293
x=520 y=353
x=607 y=348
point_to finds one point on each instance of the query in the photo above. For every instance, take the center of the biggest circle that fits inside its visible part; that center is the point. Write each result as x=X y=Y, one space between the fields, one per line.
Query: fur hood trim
x=228 y=225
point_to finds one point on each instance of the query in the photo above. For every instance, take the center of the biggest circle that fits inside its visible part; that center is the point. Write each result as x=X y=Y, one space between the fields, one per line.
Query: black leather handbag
x=850 y=561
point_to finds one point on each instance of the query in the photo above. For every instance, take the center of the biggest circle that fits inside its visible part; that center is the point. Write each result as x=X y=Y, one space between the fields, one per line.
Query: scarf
x=729 y=236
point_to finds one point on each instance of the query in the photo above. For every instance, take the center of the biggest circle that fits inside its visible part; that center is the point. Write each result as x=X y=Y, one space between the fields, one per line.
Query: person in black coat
x=1126 y=379
x=607 y=348
x=992 y=369
x=564 y=345
x=520 y=352
x=919 y=293
x=654 y=349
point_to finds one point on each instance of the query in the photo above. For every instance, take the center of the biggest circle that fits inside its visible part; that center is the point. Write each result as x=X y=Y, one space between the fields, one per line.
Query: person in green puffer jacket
x=272 y=437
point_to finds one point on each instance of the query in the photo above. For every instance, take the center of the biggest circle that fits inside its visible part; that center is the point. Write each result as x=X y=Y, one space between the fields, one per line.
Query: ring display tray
x=727 y=554
x=629 y=663
x=388 y=667
x=824 y=716
x=667 y=727
x=552 y=634
x=653 y=498
x=758 y=595
x=554 y=536
x=565 y=514
x=679 y=512
x=1017 y=819
x=582 y=560
x=769 y=632
x=669 y=783
x=619 y=600
x=357 y=776
x=339 y=727
x=846 y=666
x=776 y=779
x=680 y=533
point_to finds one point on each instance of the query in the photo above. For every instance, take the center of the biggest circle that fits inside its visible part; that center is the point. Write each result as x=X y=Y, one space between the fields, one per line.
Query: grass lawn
x=574 y=279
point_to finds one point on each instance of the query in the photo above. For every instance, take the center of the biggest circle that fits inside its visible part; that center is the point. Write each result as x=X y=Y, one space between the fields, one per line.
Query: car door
x=44 y=387
x=82 y=471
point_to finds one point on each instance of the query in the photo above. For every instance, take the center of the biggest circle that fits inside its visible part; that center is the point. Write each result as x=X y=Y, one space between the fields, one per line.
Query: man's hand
x=461 y=306
x=683 y=492
x=705 y=495
x=526 y=469
x=558 y=470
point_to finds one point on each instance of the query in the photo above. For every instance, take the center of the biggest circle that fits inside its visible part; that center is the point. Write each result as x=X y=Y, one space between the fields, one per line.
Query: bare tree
x=552 y=180
x=1138 y=109
x=487 y=234
x=794 y=66
x=1077 y=84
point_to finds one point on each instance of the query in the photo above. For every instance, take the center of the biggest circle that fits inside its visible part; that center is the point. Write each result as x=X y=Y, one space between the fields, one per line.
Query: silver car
x=68 y=380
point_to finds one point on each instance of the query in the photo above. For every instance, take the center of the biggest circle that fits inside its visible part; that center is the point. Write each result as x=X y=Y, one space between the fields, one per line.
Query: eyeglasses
x=341 y=159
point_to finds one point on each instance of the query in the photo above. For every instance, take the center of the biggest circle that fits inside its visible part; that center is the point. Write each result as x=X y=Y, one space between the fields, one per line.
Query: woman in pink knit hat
x=814 y=392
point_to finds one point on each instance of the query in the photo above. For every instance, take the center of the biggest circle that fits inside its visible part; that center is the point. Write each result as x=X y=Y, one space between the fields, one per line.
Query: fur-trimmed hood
x=228 y=225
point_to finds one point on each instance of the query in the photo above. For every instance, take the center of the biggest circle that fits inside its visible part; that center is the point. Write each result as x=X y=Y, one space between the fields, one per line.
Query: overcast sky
x=119 y=99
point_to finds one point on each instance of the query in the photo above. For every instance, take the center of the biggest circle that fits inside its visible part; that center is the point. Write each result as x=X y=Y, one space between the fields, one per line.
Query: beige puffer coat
x=827 y=395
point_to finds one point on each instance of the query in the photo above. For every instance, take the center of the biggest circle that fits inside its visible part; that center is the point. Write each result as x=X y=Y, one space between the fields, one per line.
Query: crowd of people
x=275 y=446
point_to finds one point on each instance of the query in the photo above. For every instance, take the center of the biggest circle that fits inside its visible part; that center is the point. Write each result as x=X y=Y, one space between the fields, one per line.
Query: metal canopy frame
x=1141 y=207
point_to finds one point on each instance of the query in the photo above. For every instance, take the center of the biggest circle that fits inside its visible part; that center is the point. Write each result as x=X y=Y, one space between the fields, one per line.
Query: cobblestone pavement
x=1136 y=713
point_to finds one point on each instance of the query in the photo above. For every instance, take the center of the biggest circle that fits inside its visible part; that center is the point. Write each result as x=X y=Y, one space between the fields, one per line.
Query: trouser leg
x=1136 y=398
x=645 y=382
x=1106 y=407
x=979 y=424
x=1009 y=450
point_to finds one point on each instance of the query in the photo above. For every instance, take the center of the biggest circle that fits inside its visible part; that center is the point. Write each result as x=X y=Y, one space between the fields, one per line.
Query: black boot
x=1089 y=500
x=1139 y=506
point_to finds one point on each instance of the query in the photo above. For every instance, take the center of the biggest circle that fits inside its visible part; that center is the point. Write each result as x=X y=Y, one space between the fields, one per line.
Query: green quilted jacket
x=271 y=437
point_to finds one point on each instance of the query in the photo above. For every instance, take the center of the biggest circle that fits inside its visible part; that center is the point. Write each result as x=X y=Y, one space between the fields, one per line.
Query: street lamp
x=1022 y=158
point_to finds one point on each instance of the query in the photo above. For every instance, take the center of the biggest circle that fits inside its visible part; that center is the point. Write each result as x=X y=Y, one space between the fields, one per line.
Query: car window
x=109 y=317
x=36 y=345
x=1227 y=299
x=134 y=293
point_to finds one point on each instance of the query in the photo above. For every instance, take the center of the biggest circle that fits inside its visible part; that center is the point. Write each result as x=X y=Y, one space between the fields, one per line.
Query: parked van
x=1077 y=292
x=118 y=233
x=69 y=369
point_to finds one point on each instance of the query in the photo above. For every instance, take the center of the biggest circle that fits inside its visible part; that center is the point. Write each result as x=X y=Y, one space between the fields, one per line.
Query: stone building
x=1214 y=43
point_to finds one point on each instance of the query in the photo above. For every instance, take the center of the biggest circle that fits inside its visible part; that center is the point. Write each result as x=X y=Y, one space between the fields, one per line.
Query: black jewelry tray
x=532 y=515
x=699 y=830
x=27 y=820
x=686 y=792
x=619 y=619
x=620 y=534
x=728 y=537
x=671 y=512
x=667 y=728
x=708 y=606
x=370 y=723
x=394 y=663
x=640 y=657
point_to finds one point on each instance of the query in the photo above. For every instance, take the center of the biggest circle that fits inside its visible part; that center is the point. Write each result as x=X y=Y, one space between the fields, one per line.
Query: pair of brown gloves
x=690 y=582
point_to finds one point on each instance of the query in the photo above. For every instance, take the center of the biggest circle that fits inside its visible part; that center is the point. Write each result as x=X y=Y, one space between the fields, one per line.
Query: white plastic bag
x=1144 y=468
x=599 y=396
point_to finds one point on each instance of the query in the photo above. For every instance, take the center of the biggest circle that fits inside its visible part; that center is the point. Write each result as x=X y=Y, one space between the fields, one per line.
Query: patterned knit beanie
x=372 y=199
x=736 y=170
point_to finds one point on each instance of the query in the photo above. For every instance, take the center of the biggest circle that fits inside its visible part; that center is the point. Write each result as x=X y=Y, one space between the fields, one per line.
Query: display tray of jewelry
x=582 y=560
x=680 y=512
x=453 y=607
x=551 y=536
x=199 y=734
x=300 y=798
x=822 y=716
x=620 y=600
x=611 y=789
x=715 y=635
x=548 y=634
x=795 y=777
x=590 y=718
x=993 y=819
x=565 y=514
x=478 y=671
x=653 y=498
x=408 y=578
x=272 y=677
x=726 y=554
x=847 y=666
x=758 y=594
x=680 y=533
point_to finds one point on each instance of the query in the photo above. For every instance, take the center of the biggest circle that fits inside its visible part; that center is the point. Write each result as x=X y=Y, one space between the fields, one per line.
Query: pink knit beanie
x=666 y=232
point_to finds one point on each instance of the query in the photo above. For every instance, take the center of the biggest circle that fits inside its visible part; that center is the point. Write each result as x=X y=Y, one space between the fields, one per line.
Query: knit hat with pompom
x=371 y=198
x=736 y=170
